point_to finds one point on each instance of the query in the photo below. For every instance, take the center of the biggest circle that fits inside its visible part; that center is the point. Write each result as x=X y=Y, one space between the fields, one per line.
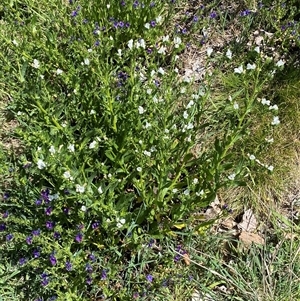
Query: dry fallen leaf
x=248 y=222
x=248 y=238
x=186 y=258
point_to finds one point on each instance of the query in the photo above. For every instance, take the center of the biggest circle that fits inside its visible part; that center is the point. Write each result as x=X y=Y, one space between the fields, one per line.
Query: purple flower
x=80 y=227
x=29 y=240
x=79 y=237
x=2 y=227
x=38 y=202
x=48 y=210
x=151 y=242
x=9 y=237
x=103 y=274
x=89 y=280
x=74 y=13
x=153 y=23
x=149 y=278
x=152 y=4
x=184 y=31
x=45 y=279
x=213 y=15
x=245 y=13
x=95 y=225
x=196 y=19
x=52 y=259
x=6 y=196
x=135 y=4
x=121 y=24
x=22 y=261
x=56 y=235
x=97 y=43
x=45 y=195
x=68 y=266
x=66 y=211
x=89 y=268
x=36 y=232
x=36 y=253
x=123 y=3
x=127 y=24
x=50 y=225
x=136 y=295
x=66 y=191
x=92 y=257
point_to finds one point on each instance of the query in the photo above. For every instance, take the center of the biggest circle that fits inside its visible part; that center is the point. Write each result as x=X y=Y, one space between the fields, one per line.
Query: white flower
x=35 y=64
x=15 y=42
x=59 y=71
x=280 y=63
x=190 y=126
x=177 y=41
x=158 y=19
x=270 y=168
x=275 y=121
x=153 y=149
x=140 y=43
x=195 y=181
x=235 y=105
x=174 y=190
x=119 y=52
x=167 y=131
x=111 y=38
x=209 y=51
x=198 y=193
x=162 y=50
x=41 y=164
x=90 y=50
x=166 y=38
x=186 y=192
x=230 y=98
x=147 y=125
x=269 y=140
x=130 y=44
x=229 y=54
x=141 y=110
x=93 y=144
x=190 y=104
x=232 y=176
x=183 y=90
x=257 y=49
x=265 y=102
x=67 y=175
x=152 y=73
x=86 y=61
x=147 y=25
x=239 y=70
x=100 y=190
x=120 y=222
x=92 y=112
x=108 y=6
x=52 y=150
x=161 y=70
x=42 y=76
x=71 y=148
x=251 y=157
x=83 y=208
x=251 y=66
x=80 y=188
x=185 y=115
x=275 y=107
x=147 y=153
x=149 y=91
x=139 y=169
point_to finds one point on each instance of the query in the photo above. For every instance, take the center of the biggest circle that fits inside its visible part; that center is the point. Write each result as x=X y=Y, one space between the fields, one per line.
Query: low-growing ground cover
x=119 y=150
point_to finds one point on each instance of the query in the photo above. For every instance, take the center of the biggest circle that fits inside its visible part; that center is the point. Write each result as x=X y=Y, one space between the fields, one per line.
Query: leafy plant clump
x=118 y=147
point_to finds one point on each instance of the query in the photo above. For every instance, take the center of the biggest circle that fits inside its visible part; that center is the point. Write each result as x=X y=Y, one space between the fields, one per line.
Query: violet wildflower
x=36 y=253
x=136 y=295
x=38 y=202
x=29 y=240
x=53 y=259
x=149 y=278
x=95 y=225
x=68 y=266
x=9 y=237
x=135 y=4
x=79 y=237
x=89 y=280
x=121 y=24
x=89 y=268
x=97 y=43
x=48 y=210
x=45 y=279
x=196 y=19
x=151 y=242
x=22 y=261
x=50 y=225
x=5 y=214
x=56 y=235
x=152 y=23
x=6 y=196
x=103 y=274
x=66 y=211
x=245 y=13
x=127 y=24
x=92 y=257
x=45 y=195
x=36 y=232
x=213 y=15
x=2 y=227
x=152 y=4
x=123 y=3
